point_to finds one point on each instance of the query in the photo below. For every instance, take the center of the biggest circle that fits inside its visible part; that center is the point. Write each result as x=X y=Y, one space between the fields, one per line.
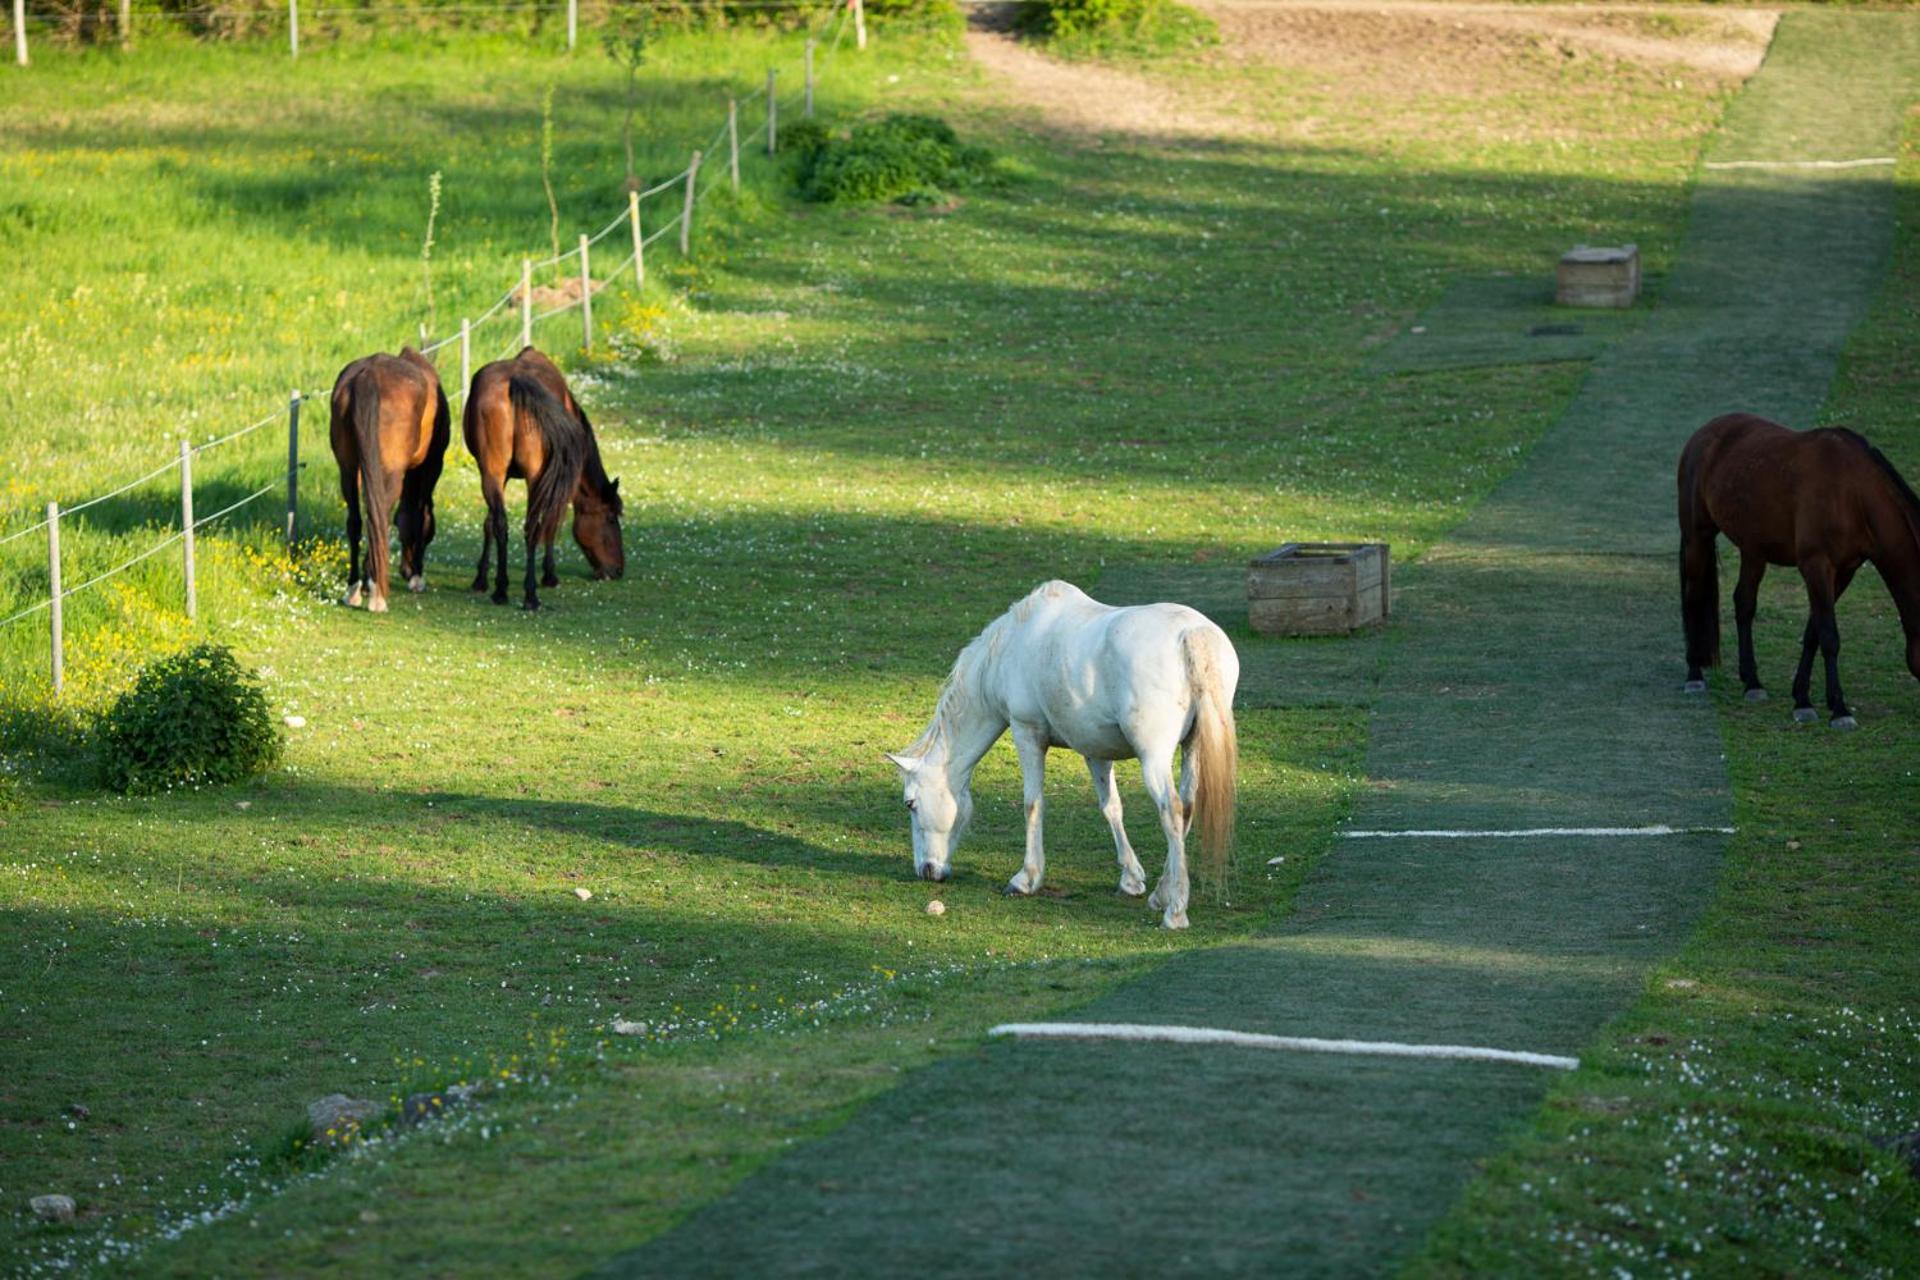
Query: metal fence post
x=186 y=524
x=293 y=468
x=686 y=210
x=293 y=26
x=586 y=297
x=773 y=112
x=54 y=597
x=733 y=140
x=526 y=302
x=639 y=241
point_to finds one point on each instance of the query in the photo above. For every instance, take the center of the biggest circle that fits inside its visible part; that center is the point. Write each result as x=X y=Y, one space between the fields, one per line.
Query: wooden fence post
x=639 y=241
x=586 y=297
x=859 y=25
x=807 y=110
x=186 y=525
x=20 y=56
x=126 y=22
x=773 y=112
x=573 y=23
x=293 y=26
x=293 y=468
x=55 y=596
x=466 y=353
x=686 y=210
x=526 y=302
x=733 y=140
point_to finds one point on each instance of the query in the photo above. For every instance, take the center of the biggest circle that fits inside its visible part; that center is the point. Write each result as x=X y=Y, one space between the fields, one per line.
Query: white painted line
x=1867 y=163
x=1250 y=1040
x=1657 y=830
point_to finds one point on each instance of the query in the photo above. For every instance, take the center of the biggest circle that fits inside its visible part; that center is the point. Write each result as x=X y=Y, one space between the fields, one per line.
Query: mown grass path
x=1533 y=682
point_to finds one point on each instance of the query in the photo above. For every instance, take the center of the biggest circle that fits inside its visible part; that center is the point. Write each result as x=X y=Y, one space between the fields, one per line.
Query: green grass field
x=848 y=438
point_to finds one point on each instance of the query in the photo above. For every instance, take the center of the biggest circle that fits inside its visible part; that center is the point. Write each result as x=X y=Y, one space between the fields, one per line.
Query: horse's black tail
x=1699 y=570
x=373 y=480
x=549 y=492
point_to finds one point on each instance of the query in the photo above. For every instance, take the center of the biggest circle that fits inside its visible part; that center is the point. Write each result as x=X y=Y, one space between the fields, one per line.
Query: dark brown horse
x=522 y=422
x=1823 y=501
x=390 y=431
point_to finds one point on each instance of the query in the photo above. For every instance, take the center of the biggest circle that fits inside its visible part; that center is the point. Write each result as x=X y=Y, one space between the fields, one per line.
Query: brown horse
x=1824 y=501
x=390 y=431
x=522 y=422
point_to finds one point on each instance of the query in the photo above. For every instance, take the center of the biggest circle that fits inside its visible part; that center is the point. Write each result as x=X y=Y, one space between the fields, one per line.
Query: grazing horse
x=1824 y=501
x=522 y=422
x=390 y=430
x=1063 y=670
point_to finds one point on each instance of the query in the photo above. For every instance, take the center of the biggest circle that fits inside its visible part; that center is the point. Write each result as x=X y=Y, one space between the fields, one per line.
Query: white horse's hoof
x=1174 y=920
x=352 y=600
x=376 y=604
x=1756 y=694
x=1805 y=715
x=1694 y=686
x=1132 y=886
x=1157 y=901
x=1021 y=885
x=1843 y=722
x=416 y=583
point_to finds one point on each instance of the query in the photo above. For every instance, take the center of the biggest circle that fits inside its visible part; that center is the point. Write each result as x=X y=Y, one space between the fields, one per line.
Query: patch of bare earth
x=1293 y=68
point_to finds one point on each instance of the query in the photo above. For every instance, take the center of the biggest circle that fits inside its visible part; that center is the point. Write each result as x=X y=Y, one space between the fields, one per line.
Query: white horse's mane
x=962 y=686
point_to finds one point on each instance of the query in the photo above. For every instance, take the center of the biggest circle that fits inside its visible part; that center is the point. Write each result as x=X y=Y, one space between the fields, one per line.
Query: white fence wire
x=712 y=160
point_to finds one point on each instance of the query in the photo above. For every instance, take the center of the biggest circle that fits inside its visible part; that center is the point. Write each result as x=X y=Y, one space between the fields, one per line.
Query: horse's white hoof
x=1756 y=694
x=416 y=583
x=1843 y=722
x=1694 y=686
x=1805 y=715
x=1132 y=886
x=352 y=600
x=376 y=604
x=1174 y=920
x=1021 y=885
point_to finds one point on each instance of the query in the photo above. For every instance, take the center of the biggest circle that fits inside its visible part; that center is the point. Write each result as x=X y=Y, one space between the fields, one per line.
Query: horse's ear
x=614 y=487
x=907 y=764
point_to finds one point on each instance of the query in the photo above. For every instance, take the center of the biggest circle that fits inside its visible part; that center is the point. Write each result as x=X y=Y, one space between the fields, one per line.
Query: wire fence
x=686 y=184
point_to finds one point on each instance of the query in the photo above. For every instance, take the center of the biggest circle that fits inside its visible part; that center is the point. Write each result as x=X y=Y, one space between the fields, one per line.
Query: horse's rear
x=389 y=430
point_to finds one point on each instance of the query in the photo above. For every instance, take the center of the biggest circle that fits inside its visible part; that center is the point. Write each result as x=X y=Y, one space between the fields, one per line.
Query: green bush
x=1116 y=26
x=901 y=157
x=193 y=718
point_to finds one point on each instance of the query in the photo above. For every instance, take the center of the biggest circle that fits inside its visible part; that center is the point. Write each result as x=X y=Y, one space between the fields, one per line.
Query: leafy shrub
x=899 y=157
x=1116 y=26
x=192 y=718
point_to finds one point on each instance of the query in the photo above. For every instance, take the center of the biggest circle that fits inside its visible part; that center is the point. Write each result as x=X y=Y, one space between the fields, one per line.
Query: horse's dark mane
x=596 y=471
x=1885 y=464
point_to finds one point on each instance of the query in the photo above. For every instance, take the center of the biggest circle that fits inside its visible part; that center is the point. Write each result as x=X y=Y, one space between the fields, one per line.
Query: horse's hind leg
x=1746 y=600
x=1821 y=581
x=1031 y=744
x=1816 y=637
x=1133 y=877
x=549 y=576
x=350 y=490
x=1170 y=895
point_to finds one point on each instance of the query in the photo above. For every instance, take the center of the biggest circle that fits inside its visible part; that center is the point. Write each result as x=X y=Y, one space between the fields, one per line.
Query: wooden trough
x=1320 y=588
x=1598 y=277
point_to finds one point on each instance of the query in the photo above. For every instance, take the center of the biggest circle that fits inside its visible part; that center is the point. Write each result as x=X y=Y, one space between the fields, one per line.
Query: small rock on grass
x=53 y=1208
x=295 y=722
x=621 y=1027
x=585 y=895
x=936 y=908
x=336 y=1118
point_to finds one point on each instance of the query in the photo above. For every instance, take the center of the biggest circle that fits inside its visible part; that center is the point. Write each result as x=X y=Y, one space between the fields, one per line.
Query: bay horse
x=1824 y=501
x=1063 y=670
x=522 y=422
x=389 y=431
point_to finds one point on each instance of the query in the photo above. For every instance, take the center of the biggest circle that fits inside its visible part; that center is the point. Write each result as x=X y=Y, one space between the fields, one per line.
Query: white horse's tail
x=1214 y=748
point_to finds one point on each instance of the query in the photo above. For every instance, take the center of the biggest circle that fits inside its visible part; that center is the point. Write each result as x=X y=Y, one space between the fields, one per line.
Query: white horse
x=1064 y=670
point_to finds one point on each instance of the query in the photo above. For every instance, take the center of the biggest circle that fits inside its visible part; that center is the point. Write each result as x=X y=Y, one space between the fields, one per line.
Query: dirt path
x=1366 y=51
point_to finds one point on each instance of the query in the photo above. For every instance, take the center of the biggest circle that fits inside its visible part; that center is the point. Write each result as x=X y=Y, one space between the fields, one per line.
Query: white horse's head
x=938 y=816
